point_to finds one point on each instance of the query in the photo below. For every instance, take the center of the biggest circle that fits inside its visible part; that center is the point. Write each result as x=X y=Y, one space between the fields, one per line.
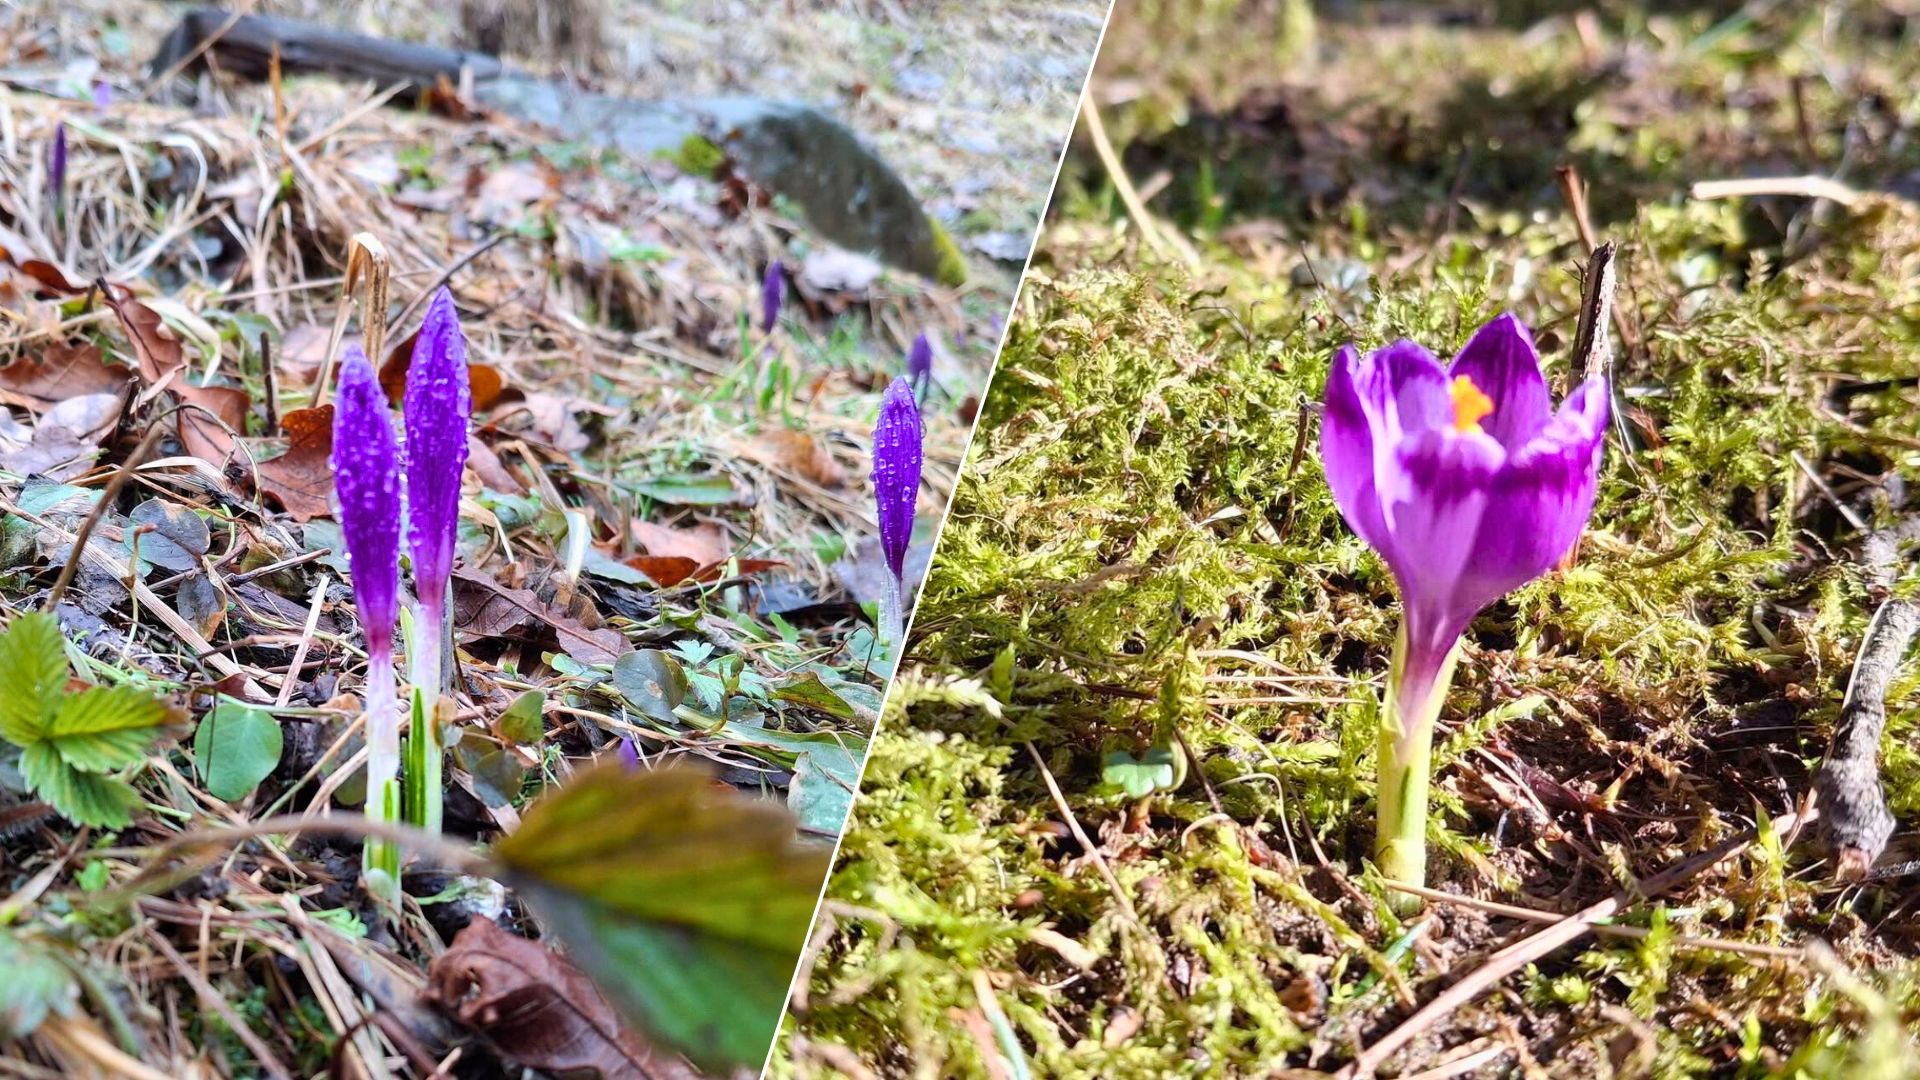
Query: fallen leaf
x=484 y=608
x=539 y=1009
x=301 y=479
x=831 y=271
x=485 y=384
x=63 y=372
x=490 y=469
x=802 y=454
x=865 y=572
x=664 y=570
x=63 y=441
x=554 y=420
x=167 y=535
x=212 y=415
x=705 y=544
x=686 y=900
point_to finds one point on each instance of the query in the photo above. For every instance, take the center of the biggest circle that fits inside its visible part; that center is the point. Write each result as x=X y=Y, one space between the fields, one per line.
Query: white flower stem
x=380 y=858
x=426 y=751
x=893 y=619
x=1415 y=693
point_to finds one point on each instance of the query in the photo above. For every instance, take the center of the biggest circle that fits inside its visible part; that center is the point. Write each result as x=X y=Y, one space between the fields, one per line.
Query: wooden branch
x=1855 y=819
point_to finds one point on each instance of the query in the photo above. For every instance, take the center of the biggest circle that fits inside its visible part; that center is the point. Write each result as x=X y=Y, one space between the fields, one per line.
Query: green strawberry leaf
x=236 y=747
x=686 y=901
x=36 y=984
x=82 y=798
x=33 y=677
x=106 y=728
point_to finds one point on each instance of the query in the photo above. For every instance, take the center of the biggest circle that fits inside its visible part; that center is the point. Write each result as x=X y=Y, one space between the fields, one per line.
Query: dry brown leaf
x=61 y=372
x=484 y=608
x=490 y=469
x=539 y=1009
x=803 y=454
x=301 y=479
x=665 y=570
x=704 y=544
x=484 y=381
x=212 y=415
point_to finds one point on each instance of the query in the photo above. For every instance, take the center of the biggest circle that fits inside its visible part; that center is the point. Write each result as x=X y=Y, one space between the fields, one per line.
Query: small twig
x=1809 y=187
x=1532 y=948
x=1163 y=244
x=1855 y=819
x=445 y=277
x=100 y=507
x=1080 y=834
x=1514 y=911
x=439 y=847
x=213 y=999
x=1574 y=190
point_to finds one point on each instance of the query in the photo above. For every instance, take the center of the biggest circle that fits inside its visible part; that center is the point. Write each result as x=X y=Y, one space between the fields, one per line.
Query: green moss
x=697 y=155
x=952 y=270
x=1143 y=506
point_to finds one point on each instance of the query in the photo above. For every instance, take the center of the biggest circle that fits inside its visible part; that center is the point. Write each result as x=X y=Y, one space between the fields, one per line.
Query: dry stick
x=1163 y=244
x=1080 y=834
x=1514 y=911
x=1855 y=820
x=1809 y=187
x=1529 y=949
x=211 y=997
x=99 y=510
x=446 y=276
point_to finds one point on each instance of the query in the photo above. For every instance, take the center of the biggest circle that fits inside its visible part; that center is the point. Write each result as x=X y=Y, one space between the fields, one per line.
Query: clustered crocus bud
x=438 y=406
x=896 y=490
x=57 y=165
x=1469 y=485
x=772 y=290
x=920 y=364
x=366 y=481
x=102 y=95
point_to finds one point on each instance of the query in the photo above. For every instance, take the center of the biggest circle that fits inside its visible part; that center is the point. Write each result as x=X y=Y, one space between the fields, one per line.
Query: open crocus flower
x=1469 y=485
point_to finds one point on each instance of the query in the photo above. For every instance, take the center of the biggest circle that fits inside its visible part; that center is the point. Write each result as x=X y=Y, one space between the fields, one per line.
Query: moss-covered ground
x=1142 y=553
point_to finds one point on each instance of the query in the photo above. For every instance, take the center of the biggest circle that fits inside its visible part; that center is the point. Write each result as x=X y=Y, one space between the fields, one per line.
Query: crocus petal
x=1502 y=362
x=772 y=291
x=438 y=405
x=57 y=162
x=920 y=362
x=1403 y=389
x=366 y=481
x=1540 y=500
x=1346 y=451
x=896 y=471
x=1433 y=499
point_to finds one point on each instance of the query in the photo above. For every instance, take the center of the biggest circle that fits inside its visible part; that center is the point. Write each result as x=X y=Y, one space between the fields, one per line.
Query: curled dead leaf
x=539 y=1009
x=801 y=453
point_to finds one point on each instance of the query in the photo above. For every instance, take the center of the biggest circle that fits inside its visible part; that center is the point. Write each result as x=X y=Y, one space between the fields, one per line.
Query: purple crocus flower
x=896 y=490
x=1469 y=485
x=920 y=364
x=772 y=290
x=57 y=165
x=102 y=95
x=438 y=405
x=366 y=480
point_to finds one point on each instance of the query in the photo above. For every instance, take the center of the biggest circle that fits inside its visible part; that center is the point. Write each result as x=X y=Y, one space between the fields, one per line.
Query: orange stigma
x=1470 y=406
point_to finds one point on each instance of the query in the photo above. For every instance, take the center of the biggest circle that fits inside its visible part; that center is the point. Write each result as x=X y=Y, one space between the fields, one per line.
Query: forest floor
x=1143 y=563
x=659 y=492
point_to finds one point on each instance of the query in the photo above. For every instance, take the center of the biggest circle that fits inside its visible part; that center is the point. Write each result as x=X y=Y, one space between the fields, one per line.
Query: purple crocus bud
x=627 y=754
x=366 y=481
x=57 y=163
x=920 y=363
x=896 y=472
x=102 y=95
x=438 y=405
x=772 y=290
x=1462 y=476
